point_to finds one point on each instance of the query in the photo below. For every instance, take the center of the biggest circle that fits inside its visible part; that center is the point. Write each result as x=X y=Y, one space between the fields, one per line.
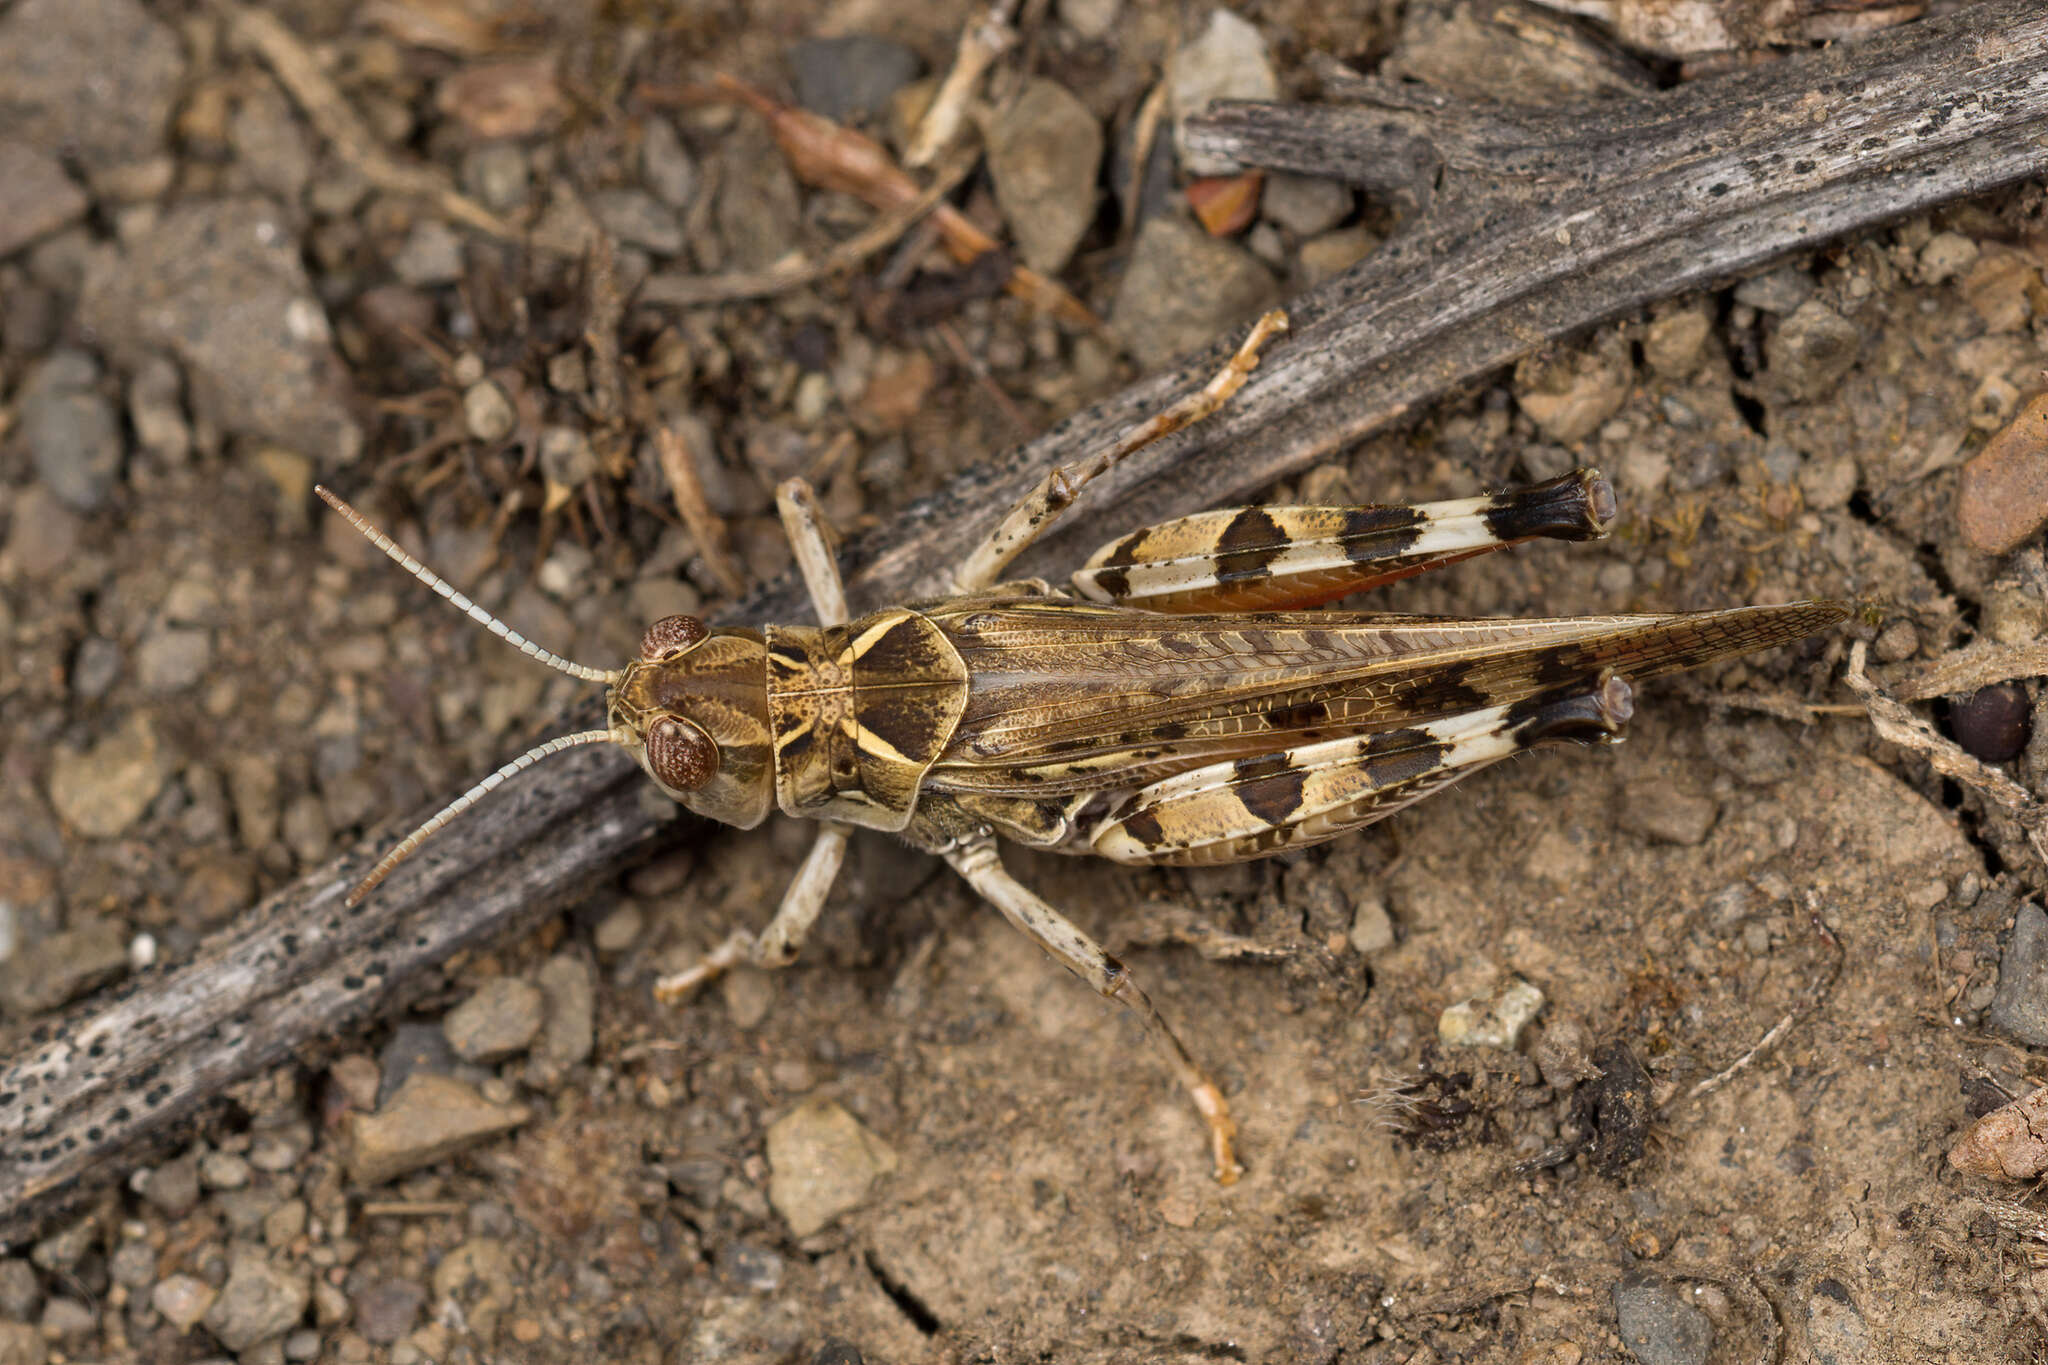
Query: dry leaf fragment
x=2009 y=1143
x=508 y=99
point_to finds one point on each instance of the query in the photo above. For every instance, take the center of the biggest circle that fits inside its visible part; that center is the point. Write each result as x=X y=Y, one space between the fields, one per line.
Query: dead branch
x=1537 y=229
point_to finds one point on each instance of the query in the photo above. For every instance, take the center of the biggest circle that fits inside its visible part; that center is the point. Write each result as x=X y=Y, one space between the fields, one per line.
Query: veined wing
x=1062 y=694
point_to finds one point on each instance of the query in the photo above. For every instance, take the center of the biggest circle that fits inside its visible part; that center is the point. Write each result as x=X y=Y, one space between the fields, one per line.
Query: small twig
x=1144 y=135
x=689 y=291
x=1817 y=997
x=605 y=309
x=1974 y=666
x=425 y=1208
x=981 y=42
x=1896 y=725
x=337 y=121
x=679 y=466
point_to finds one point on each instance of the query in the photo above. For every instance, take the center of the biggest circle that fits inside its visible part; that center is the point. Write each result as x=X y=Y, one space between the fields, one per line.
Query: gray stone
x=95 y=78
x=43 y=537
x=72 y=431
x=637 y=218
x=666 y=165
x=1780 y=291
x=156 y=411
x=822 y=1163
x=173 y=1187
x=60 y=1252
x=21 y=1293
x=413 y=1048
x=182 y=1299
x=1835 y=1331
x=570 y=1031
x=757 y=208
x=94 y=668
x=67 y=1320
x=22 y=1344
x=1044 y=152
x=1659 y=1327
x=36 y=197
x=498 y=174
x=1306 y=205
x=170 y=659
x=2020 y=1009
x=259 y=1301
x=847 y=78
x=431 y=254
x=488 y=412
x=1183 y=289
x=252 y=788
x=1811 y=350
x=269 y=145
x=219 y=285
x=387 y=1310
x=496 y=1022
x=1228 y=62
x=133 y=1264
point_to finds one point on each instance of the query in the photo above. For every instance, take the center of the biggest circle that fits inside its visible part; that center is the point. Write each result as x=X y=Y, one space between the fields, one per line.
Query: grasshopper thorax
x=693 y=711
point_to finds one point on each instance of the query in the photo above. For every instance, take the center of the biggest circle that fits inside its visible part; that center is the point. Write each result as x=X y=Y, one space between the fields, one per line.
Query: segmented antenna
x=464 y=802
x=463 y=604
x=607 y=676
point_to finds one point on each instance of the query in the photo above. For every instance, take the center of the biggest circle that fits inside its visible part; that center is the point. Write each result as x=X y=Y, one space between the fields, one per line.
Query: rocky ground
x=239 y=256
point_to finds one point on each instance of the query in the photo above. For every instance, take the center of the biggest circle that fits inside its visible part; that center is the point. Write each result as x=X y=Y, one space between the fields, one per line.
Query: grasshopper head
x=693 y=709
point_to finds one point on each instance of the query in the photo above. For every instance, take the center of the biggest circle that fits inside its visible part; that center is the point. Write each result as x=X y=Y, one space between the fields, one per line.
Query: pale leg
x=1084 y=957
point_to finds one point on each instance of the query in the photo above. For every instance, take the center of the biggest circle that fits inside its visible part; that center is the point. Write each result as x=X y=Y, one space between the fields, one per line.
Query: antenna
x=464 y=802
x=608 y=676
x=461 y=603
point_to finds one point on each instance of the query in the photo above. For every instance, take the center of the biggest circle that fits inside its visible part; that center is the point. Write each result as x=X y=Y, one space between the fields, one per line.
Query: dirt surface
x=924 y=1142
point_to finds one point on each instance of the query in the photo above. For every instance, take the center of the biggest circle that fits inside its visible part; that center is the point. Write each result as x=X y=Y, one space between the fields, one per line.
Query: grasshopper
x=1176 y=705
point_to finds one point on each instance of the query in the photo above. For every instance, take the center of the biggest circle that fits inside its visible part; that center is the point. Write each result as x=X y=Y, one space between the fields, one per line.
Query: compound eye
x=671 y=635
x=681 y=756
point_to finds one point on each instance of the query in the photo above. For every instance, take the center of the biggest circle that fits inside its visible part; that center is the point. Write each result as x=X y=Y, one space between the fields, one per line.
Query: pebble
x=1658 y=1326
x=43 y=540
x=1044 y=153
x=183 y=1300
x=1779 y=291
x=823 y=1162
x=388 y=1309
x=1372 y=929
x=849 y=78
x=223 y=1171
x=156 y=412
x=36 y=197
x=72 y=431
x=219 y=285
x=22 y=1344
x=285 y=1224
x=430 y=1117
x=280 y=1149
x=1333 y=253
x=497 y=173
x=637 y=218
x=750 y=1267
x=266 y=140
x=21 y=1293
x=488 y=412
x=1182 y=288
x=1811 y=350
x=619 y=930
x=1495 y=1019
x=55 y=969
x=666 y=164
x=1092 y=19
x=1228 y=62
x=171 y=659
x=1997 y=286
x=67 y=1320
x=252 y=789
x=60 y=1252
x=1306 y=205
x=1675 y=343
x=567 y=1035
x=94 y=668
x=412 y=1048
x=1946 y=256
x=97 y=78
x=1897 y=642
x=2003 y=497
x=259 y=1301
x=1664 y=815
x=757 y=208
x=1829 y=483
x=173 y=1188
x=430 y=255
x=1570 y=397
x=2020 y=1007
x=498 y=1021
x=509 y=98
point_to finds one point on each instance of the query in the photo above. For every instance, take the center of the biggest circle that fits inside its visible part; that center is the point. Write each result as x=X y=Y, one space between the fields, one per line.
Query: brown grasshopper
x=1148 y=715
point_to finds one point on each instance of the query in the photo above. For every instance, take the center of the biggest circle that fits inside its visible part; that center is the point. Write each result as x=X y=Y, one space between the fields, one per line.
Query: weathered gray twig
x=1533 y=228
